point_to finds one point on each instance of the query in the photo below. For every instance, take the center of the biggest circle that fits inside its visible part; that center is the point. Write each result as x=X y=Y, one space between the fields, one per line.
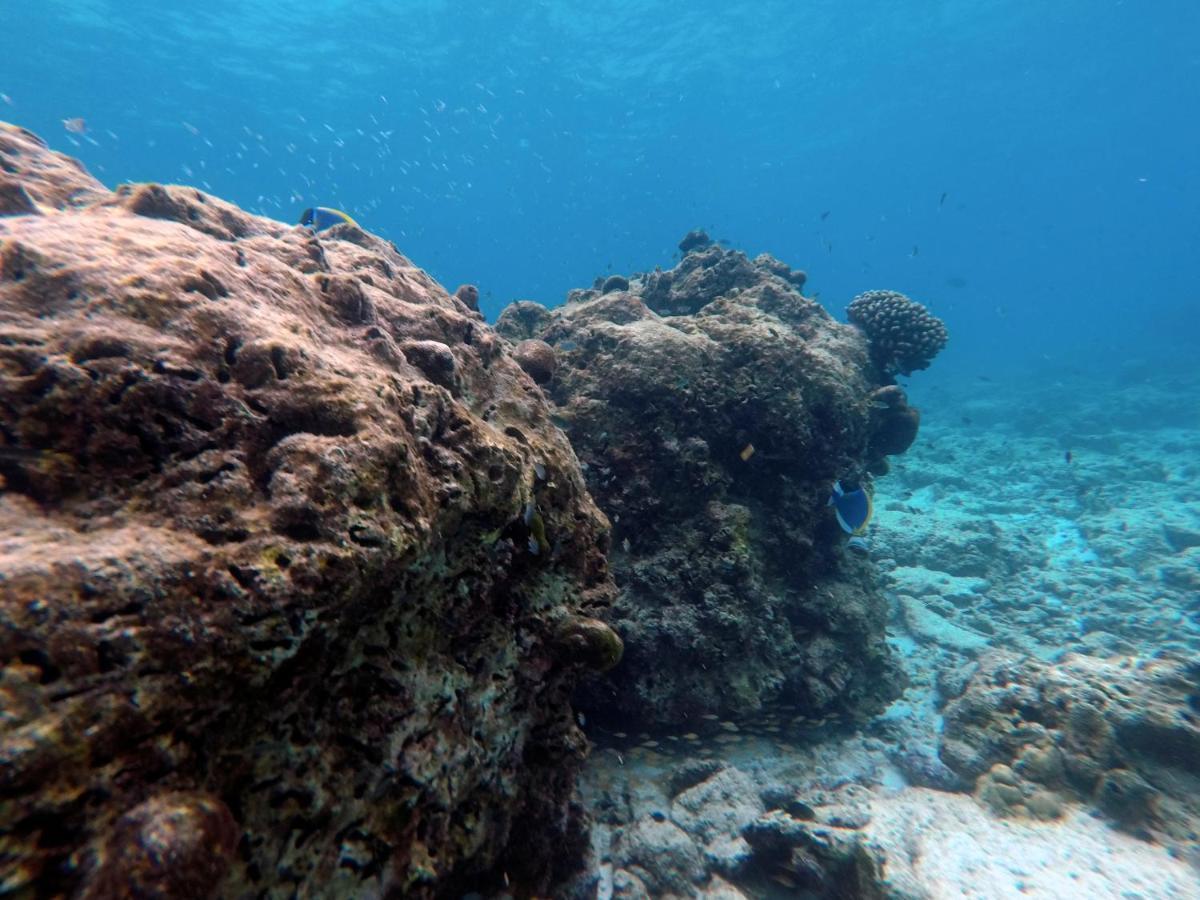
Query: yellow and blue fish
x=853 y=508
x=318 y=218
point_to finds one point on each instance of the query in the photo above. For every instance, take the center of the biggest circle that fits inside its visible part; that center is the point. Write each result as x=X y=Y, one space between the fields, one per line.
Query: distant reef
x=713 y=406
x=297 y=575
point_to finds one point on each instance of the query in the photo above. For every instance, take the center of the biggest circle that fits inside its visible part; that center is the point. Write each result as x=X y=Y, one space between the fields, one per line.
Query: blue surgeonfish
x=853 y=508
x=318 y=218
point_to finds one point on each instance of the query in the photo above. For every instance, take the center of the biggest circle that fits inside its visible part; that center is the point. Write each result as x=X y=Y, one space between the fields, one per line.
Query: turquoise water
x=1027 y=170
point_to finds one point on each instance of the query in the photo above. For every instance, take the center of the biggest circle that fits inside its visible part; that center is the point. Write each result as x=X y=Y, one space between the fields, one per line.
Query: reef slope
x=267 y=597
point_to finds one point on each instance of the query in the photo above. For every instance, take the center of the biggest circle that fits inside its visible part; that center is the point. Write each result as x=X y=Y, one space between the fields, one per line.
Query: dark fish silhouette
x=942 y=199
x=1067 y=457
x=825 y=215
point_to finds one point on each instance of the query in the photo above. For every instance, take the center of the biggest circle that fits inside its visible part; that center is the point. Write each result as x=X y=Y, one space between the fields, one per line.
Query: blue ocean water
x=1026 y=170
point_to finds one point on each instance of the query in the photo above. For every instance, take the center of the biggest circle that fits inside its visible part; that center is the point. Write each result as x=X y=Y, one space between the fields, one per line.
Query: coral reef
x=713 y=406
x=1121 y=734
x=904 y=335
x=266 y=580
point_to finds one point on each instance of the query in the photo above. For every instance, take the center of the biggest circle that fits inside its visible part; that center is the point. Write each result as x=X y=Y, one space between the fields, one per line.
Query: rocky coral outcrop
x=1122 y=735
x=268 y=598
x=713 y=407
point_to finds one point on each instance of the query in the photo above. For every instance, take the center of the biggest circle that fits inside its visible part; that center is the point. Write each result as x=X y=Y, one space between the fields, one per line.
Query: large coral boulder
x=713 y=407
x=271 y=621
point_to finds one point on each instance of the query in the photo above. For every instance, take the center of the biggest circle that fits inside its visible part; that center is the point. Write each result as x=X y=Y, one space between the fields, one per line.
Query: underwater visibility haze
x=849 y=547
x=1022 y=166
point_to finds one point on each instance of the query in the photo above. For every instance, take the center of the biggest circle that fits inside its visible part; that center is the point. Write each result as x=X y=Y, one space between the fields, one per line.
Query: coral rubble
x=1121 y=734
x=266 y=597
x=713 y=407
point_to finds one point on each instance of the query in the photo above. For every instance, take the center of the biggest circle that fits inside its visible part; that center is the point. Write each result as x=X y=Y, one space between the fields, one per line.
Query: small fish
x=853 y=508
x=725 y=242
x=7 y=99
x=859 y=545
x=916 y=251
x=747 y=452
x=825 y=215
x=318 y=218
x=1067 y=456
x=533 y=520
x=581 y=719
x=539 y=471
x=567 y=345
x=942 y=199
x=75 y=126
x=626 y=545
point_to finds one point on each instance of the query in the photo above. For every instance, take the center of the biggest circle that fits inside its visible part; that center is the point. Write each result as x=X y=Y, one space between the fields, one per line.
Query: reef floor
x=1043 y=536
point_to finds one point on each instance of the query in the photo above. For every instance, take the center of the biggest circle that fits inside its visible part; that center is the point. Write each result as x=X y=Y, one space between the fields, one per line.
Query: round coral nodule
x=589 y=642
x=695 y=240
x=614 y=283
x=893 y=430
x=893 y=426
x=904 y=335
x=175 y=845
x=469 y=295
x=537 y=359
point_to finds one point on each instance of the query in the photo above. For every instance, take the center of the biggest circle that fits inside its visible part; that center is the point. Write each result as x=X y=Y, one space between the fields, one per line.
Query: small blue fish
x=853 y=508
x=318 y=218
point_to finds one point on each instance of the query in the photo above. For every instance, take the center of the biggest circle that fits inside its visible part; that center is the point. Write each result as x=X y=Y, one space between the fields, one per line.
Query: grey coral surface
x=713 y=406
x=269 y=623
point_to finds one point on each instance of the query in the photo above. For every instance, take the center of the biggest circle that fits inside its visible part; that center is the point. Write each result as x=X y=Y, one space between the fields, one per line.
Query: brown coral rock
x=537 y=358
x=260 y=544
x=894 y=424
x=174 y=845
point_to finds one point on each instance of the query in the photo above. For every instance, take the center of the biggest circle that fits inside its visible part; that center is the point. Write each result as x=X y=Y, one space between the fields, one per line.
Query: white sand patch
x=947 y=846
